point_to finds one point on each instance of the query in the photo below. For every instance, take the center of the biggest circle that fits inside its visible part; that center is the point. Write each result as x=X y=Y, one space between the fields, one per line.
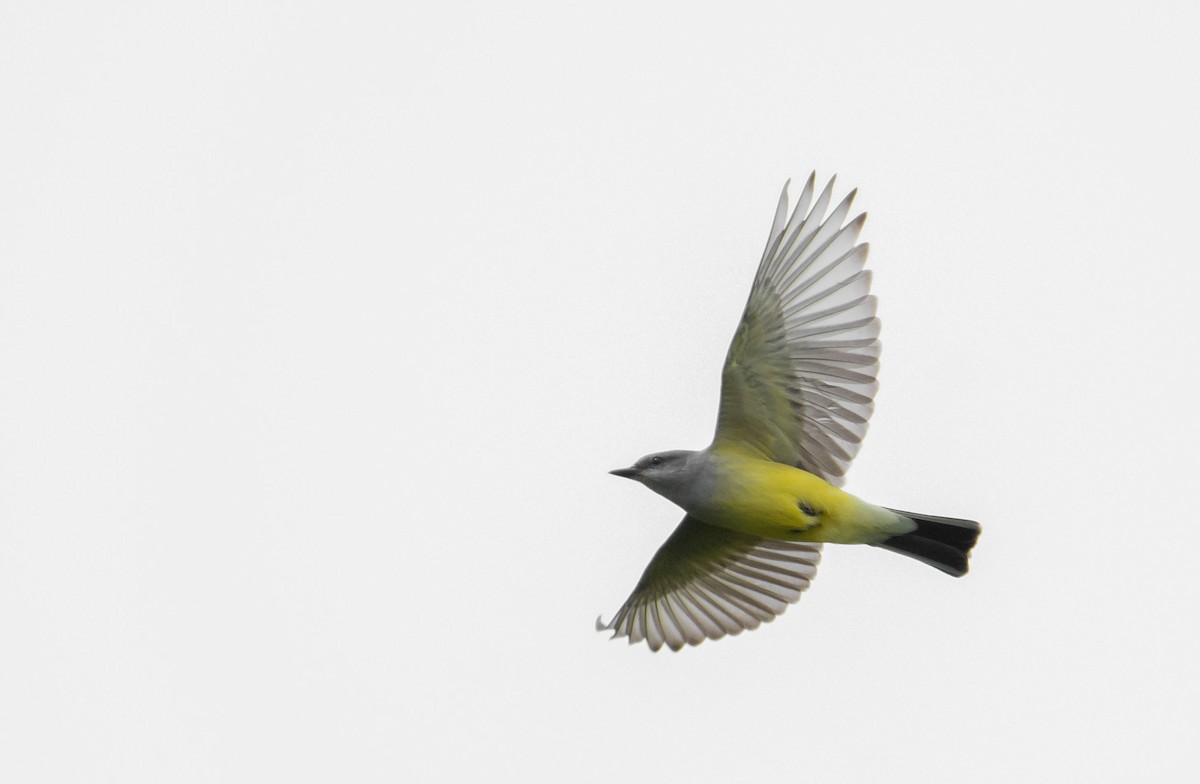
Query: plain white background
x=321 y=323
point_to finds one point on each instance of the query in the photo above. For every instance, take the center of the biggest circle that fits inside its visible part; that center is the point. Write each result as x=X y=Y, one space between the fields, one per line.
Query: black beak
x=625 y=473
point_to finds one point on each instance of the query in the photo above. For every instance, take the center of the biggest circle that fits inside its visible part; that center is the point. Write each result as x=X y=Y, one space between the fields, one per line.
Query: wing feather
x=706 y=582
x=800 y=377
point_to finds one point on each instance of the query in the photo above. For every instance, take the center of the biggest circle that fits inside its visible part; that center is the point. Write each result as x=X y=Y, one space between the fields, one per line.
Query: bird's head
x=665 y=473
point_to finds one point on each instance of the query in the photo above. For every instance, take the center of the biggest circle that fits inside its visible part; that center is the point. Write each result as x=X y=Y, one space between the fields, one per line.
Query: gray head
x=667 y=473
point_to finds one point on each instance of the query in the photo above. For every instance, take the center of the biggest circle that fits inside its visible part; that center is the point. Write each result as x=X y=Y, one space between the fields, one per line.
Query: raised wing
x=799 y=380
x=706 y=582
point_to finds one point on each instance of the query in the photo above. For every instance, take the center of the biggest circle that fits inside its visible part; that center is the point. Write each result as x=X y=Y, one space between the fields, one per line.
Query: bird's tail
x=942 y=542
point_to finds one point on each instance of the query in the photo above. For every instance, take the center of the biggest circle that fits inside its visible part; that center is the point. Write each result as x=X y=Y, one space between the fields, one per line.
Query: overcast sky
x=322 y=323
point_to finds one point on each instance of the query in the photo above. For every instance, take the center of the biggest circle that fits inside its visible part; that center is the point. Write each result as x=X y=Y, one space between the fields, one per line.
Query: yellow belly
x=774 y=500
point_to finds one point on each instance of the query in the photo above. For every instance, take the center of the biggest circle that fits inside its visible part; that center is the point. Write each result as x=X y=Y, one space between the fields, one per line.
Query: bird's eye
x=656 y=460
x=808 y=510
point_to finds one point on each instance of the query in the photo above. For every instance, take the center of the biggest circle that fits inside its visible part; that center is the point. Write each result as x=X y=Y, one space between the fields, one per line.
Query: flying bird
x=797 y=390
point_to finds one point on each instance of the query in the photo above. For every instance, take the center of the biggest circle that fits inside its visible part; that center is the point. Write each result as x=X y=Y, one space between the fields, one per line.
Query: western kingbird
x=796 y=392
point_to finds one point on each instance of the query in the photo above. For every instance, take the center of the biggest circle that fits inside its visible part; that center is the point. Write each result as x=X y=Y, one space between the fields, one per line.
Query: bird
x=797 y=391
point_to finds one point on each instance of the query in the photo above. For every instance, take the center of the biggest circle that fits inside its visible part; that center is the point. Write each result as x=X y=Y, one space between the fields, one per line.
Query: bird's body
x=735 y=489
x=797 y=390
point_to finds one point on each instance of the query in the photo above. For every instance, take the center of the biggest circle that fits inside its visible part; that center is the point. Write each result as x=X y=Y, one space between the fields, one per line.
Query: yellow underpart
x=765 y=498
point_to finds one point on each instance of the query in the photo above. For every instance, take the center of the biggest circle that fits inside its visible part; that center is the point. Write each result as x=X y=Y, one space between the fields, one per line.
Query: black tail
x=941 y=542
